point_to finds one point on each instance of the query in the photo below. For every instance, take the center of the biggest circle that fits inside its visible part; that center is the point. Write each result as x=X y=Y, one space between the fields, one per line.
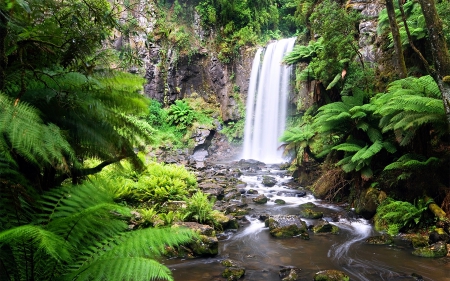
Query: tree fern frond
x=122 y=268
x=348 y=147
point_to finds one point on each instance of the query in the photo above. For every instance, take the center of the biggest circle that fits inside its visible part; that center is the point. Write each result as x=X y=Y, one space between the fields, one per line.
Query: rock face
x=282 y=226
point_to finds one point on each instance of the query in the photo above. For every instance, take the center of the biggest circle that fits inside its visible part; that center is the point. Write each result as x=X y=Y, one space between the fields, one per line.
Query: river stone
x=252 y=191
x=233 y=273
x=307 y=205
x=282 y=226
x=438 y=235
x=331 y=275
x=280 y=201
x=289 y=273
x=310 y=214
x=261 y=199
x=269 y=181
x=325 y=227
x=437 y=250
x=384 y=239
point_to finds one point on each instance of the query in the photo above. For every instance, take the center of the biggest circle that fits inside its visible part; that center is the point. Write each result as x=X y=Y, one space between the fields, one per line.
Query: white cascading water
x=267 y=103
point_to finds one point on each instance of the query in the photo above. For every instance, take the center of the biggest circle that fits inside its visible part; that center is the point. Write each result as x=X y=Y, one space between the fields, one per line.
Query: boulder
x=282 y=226
x=310 y=214
x=437 y=250
x=367 y=203
x=438 y=235
x=261 y=199
x=269 y=181
x=280 y=201
x=307 y=205
x=331 y=275
x=325 y=227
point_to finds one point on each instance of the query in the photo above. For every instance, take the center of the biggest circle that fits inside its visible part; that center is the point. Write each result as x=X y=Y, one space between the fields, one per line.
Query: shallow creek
x=262 y=255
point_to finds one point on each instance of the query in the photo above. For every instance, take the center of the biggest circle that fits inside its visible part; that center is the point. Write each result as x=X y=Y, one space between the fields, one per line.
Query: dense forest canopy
x=72 y=106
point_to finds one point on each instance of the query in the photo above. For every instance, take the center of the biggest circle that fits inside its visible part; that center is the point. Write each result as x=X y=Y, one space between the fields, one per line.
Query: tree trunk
x=3 y=57
x=439 y=50
x=396 y=38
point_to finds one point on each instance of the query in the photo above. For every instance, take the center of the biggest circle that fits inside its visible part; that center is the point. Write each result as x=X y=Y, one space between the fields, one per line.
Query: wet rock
x=384 y=239
x=307 y=205
x=281 y=226
x=331 y=275
x=206 y=244
x=419 y=241
x=280 y=201
x=226 y=221
x=233 y=273
x=300 y=194
x=325 y=227
x=310 y=214
x=261 y=199
x=289 y=273
x=269 y=181
x=252 y=191
x=437 y=250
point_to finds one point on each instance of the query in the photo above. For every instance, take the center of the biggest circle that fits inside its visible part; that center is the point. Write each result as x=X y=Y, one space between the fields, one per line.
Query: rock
x=437 y=250
x=226 y=221
x=269 y=181
x=325 y=227
x=331 y=275
x=280 y=201
x=367 y=203
x=261 y=199
x=384 y=239
x=438 y=235
x=282 y=226
x=233 y=273
x=252 y=191
x=206 y=244
x=310 y=214
x=300 y=194
x=307 y=205
x=289 y=273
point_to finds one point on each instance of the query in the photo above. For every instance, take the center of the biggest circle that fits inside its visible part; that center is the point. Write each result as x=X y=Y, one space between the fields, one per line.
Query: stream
x=262 y=255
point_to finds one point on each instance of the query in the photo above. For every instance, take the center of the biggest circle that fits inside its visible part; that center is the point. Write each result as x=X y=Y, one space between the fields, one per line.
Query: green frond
x=366 y=173
x=122 y=268
x=39 y=239
x=372 y=150
x=348 y=147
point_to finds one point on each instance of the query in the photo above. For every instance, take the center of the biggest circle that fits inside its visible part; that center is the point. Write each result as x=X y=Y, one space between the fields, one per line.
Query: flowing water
x=267 y=102
x=252 y=245
x=262 y=255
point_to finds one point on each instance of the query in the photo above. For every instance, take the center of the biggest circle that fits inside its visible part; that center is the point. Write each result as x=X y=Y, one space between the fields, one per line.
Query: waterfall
x=267 y=103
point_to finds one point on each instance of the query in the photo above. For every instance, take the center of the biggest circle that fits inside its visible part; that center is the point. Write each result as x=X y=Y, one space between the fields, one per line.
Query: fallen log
x=435 y=209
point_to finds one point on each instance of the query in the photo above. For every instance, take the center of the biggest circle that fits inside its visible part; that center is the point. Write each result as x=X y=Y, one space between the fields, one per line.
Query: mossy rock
x=308 y=205
x=331 y=275
x=261 y=199
x=252 y=191
x=325 y=227
x=367 y=203
x=419 y=241
x=280 y=202
x=205 y=246
x=310 y=214
x=233 y=273
x=269 y=181
x=384 y=239
x=437 y=250
x=282 y=226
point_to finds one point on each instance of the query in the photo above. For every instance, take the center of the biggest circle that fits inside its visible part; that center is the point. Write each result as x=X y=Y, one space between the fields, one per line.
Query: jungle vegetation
x=74 y=124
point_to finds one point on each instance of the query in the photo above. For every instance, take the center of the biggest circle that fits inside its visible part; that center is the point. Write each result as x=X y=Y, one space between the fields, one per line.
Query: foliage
x=157 y=183
x=337 y=27
x=200 y=208
x=79 y=234
x=414 y=19
x=234 y=131
x=180 y=114
x=393 y=216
